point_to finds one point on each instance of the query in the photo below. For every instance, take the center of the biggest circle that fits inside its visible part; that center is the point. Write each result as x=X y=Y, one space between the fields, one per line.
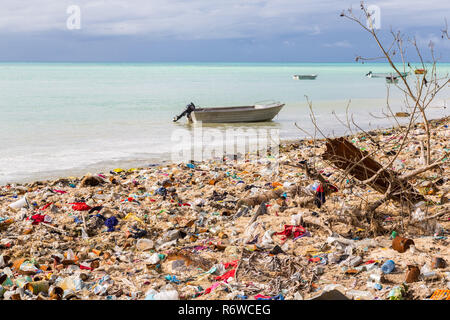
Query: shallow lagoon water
x=69 y=118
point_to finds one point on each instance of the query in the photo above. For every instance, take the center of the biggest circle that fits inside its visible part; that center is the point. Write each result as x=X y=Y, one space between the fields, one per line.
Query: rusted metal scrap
x=401 y=244
x=345 y=156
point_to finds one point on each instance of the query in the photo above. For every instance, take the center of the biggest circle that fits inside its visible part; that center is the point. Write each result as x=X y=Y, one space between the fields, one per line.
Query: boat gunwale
x=238 y=108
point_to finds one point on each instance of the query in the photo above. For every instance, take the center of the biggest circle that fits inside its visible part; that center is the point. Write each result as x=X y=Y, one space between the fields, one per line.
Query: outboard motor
x=189 y=108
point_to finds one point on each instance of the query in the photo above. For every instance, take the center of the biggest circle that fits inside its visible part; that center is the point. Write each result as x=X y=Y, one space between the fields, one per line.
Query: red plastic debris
x=37 y=218
x=46 y=206
x=289 y=230
x=80 y=206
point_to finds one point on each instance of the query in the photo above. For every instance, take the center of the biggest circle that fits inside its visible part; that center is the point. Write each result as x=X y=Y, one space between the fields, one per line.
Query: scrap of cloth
x=231 y=264
x=80 y=206
x=46 y=206
x=296 y=231
x=320 y=196
x=111 y=223
x=226 y=275
x=37 y=218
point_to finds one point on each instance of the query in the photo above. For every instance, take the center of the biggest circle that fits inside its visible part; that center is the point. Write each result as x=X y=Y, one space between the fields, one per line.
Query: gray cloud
x=206 y=19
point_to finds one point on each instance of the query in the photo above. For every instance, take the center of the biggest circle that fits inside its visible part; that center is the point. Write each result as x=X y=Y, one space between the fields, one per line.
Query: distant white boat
x=304 y=76
x=255 y=113
x=384 y=75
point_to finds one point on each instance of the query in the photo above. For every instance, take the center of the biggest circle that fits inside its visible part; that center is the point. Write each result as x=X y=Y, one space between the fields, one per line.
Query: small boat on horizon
x=304 y=76
x=420 y=71
x=255 y=113
x=370 y=74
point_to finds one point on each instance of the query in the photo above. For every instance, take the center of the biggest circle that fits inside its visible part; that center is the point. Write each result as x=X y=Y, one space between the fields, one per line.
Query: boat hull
x=305 y=77
x=235 y=114
x=384 y=75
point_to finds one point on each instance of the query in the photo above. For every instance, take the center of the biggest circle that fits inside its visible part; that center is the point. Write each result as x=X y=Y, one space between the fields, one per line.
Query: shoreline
x=142 y=163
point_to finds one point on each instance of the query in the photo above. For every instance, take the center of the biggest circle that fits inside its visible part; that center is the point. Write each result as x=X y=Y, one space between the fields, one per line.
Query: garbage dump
x=234 y=230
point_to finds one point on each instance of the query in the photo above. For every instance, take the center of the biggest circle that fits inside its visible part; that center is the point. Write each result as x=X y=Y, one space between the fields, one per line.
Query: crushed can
x=413 y=273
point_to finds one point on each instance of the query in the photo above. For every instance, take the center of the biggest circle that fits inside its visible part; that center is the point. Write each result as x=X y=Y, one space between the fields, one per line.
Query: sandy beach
x=228 y=230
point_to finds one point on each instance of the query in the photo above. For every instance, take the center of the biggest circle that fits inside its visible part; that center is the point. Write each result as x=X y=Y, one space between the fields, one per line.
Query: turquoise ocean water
x=63 y=118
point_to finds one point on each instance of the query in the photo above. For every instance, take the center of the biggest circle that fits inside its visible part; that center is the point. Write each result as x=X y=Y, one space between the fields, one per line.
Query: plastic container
x=144 y=244
x=163 y=295
x=360 y=295
x=388 y=267
x=23 y=202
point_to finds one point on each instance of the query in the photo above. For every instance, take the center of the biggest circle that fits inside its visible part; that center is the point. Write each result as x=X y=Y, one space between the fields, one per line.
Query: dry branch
x=345 y=156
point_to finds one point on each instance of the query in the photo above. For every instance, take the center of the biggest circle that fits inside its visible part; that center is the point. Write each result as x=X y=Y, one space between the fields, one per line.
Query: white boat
x=255 y=113
x=385 y=75
x=304 y=76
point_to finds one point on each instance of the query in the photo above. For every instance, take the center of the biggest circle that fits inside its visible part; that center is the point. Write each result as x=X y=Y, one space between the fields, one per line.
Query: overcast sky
x=209 y=30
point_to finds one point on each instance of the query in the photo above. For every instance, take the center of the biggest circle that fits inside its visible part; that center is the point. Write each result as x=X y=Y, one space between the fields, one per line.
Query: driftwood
x=264 y=197
x=262 y=209
x=318 y=223
x=292 y=191
x=345 y=156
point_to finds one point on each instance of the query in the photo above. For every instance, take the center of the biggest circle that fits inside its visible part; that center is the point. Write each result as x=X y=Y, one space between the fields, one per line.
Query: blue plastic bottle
x=388 y=266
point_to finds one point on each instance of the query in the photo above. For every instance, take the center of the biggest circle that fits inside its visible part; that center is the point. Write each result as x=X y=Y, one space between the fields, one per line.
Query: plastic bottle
x=360 y=295
x=431 y=275
x=23 y=202
x=163 y=295
x=374 y=285
x=388 y=266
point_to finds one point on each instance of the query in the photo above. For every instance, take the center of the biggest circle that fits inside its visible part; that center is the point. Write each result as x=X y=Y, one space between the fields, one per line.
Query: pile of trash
x=235 y=229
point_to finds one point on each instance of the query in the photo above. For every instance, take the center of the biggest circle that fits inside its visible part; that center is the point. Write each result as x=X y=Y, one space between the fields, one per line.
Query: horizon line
x=225 y=62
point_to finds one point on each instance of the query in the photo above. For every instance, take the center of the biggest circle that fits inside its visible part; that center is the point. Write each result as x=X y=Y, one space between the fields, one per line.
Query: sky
x=211 y=30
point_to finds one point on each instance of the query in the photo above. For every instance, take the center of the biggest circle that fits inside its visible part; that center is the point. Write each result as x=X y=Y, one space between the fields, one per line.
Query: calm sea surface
x=60 y=119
